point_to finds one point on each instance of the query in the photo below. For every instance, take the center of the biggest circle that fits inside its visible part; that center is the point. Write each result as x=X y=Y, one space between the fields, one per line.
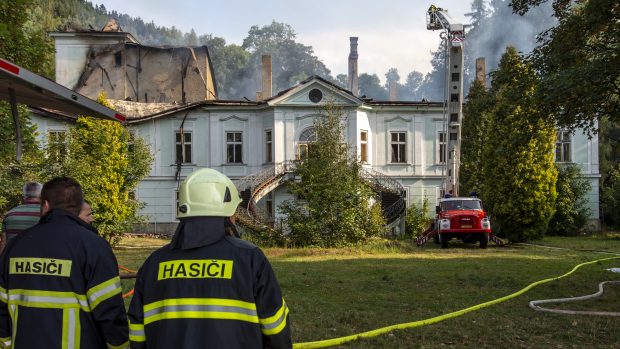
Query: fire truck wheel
x=484 y=240
x=443 y=239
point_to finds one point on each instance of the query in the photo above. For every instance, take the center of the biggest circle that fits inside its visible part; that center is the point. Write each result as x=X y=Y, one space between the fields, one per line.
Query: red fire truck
x=462 y=218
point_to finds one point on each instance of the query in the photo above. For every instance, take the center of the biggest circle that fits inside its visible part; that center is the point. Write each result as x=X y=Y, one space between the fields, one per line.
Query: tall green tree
x=571 y=206
x=336 y=208
x=609 y=146
x=579 y=62
x=475 y=120
x=109 y=163
x=518 y=168
x=229 y=64
x=292 y=61
x=25 y=44
x=610 y=199
x=20 y=41
x=432 y=88
x=370 y=86
x=412 y=86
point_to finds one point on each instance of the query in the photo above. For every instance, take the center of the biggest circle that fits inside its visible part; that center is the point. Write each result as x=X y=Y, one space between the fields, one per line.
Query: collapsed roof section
x=114 y=62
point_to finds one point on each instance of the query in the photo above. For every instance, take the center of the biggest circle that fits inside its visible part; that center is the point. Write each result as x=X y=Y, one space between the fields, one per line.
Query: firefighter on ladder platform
x=207 y=289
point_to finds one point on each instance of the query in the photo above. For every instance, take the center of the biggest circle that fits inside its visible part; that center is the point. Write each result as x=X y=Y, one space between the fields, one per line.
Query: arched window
x=304 y=145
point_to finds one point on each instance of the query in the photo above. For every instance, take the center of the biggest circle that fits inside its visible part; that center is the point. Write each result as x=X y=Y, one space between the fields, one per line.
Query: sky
x=392 y=33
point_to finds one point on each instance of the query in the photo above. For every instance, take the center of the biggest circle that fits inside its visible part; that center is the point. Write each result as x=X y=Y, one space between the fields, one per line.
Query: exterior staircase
x=256 y=186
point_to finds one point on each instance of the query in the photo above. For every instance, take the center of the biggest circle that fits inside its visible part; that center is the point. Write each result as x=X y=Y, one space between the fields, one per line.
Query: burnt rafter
x=254 y=187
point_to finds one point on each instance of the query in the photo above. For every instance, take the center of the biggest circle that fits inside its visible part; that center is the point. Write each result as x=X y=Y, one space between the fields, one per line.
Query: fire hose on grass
x=436 y=319
x=132 y=275
x=374 y=333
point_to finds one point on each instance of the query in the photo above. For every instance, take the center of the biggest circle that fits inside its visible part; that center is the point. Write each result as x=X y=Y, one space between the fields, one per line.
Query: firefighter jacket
x=207 y=290
x=59 y=288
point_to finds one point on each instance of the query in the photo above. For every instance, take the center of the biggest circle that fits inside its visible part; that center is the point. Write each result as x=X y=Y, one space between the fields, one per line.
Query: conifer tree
x=519 y=175
x=475 y=119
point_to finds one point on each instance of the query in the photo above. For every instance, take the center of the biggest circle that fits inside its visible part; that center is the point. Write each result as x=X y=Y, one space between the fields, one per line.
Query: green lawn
x=340 y=292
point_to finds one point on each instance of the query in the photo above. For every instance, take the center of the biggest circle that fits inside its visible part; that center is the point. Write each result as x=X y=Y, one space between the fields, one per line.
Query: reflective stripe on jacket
x=59 y=288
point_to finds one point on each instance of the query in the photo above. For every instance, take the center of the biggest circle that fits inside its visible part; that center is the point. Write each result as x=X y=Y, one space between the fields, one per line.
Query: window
x=183 y=142
x=364 y=146
x=304 y=147
x=269 y=204
x=118 y=58
x=453 y=136
x=442 y=148
x=454 y=97
x=268 y=146
x=234 y=147
x=454 y=117
x=57 y=145
x=455 y=77
x=398 y=146
x=562 y=146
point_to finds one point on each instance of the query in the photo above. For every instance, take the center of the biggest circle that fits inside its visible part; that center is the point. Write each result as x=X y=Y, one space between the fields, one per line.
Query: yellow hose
x=373 y=333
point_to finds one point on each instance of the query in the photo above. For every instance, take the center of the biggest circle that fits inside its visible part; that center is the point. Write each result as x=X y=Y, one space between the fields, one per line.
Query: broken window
x=118 y=58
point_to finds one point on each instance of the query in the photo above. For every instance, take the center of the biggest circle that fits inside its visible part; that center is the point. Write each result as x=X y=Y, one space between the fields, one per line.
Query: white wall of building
x=287 y=117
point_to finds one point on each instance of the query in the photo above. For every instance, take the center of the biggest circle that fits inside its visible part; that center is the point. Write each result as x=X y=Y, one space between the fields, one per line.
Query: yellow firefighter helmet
x=207 y=192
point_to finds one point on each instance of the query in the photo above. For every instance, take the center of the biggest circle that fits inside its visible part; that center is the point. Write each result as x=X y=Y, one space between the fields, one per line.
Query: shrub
x=571 y=211
x=417 y=219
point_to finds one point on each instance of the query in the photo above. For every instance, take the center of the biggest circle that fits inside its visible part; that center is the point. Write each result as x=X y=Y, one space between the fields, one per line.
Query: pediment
x=315 y=92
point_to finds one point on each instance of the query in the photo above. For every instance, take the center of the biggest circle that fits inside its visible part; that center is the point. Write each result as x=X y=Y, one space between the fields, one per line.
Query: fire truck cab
x=462 y=218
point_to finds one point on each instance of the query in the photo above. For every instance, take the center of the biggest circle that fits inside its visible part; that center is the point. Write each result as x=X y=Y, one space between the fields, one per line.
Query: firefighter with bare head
x=208 y=289
x=59 y=283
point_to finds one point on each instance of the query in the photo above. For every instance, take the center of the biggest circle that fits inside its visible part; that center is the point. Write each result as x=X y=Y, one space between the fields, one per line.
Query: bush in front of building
x=571 y=206
x=417 y=219
x=109 y=163
x=333 y=206
x=610 y=199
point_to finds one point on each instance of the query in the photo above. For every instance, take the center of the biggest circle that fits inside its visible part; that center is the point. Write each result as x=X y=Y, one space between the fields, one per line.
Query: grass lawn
x=340 y=292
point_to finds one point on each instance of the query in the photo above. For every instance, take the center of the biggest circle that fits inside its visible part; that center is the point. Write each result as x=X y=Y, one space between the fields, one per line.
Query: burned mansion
x=169 y=98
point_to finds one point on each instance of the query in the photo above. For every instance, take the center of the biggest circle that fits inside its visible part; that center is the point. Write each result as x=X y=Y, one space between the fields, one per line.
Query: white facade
x=241 y=138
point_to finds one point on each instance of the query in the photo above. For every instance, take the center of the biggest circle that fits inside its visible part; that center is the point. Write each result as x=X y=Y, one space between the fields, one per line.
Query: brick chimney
x=393 y=91
x=266 y=89
x=353 y=78
x=481 y=70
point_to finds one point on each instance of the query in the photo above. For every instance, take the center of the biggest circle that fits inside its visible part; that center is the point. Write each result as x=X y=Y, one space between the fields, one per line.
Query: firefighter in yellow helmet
x=207 y=289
